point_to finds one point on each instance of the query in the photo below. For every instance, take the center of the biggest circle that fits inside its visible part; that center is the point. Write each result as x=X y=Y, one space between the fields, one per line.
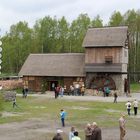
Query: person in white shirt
x=128 y=106
x=135 y=104
x=76 y=136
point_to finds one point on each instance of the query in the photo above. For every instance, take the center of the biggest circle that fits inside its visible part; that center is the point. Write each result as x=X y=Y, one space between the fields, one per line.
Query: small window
x=108 y=59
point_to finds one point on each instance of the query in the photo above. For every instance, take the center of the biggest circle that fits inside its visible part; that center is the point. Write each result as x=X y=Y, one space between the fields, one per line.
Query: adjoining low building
x=42 y=70
x=104 y=63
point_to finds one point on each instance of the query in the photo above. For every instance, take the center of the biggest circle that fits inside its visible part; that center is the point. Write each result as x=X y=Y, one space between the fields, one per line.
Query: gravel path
x=90 y=98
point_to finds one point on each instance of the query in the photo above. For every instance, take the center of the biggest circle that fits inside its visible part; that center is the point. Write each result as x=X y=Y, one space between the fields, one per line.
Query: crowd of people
x=92 y=132
x=76 y=90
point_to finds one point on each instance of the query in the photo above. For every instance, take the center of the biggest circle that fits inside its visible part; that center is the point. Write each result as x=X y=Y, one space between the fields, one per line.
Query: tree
x=16 y=46
x=46 y=32
x=63 y=34
x=132 y=19
x=116 y=19
x=97 y=22
x=78 y=29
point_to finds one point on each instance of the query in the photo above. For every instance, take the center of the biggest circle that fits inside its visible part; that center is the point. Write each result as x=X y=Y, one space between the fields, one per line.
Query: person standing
x=126 y=87
x=61 y=91
x=71 y=133
x=135 y=104
x=63 y=115
x=58 y=135
x=96 y=132
x=115 y=97
x=128 y=106
x=122 y=126
x=88 y=132
x=82 y=90
x=53 y=86
x=57 y=90
x=23 y=92
x=71 y=90
x=26 y=91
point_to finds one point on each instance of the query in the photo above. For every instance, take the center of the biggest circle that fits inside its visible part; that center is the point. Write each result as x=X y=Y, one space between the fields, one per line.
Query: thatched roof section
x=106 y=37
x=67 y=64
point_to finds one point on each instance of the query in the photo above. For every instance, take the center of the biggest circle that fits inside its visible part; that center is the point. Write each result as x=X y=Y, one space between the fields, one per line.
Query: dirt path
x=37 y=129
x=90 y=98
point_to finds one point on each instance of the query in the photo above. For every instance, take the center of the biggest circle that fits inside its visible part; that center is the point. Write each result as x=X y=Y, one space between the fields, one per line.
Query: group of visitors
x=59 y=90
x=75 y=90
x=129 y=105
x=92 y=132
x=73 y=135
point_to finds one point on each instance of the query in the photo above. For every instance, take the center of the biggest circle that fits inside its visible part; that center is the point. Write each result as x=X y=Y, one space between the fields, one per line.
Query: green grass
x=79 y=113
x=135 y=87
x=34 y=107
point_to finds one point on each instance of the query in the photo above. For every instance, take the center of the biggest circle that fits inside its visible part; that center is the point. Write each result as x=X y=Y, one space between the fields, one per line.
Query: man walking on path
x=63 y=115
x=122 y=126
x=135 y=104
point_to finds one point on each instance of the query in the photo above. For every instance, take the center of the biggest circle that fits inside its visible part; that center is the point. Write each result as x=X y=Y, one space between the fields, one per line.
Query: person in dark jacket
x=58 y=136
x=96 y=133
x=115 y=97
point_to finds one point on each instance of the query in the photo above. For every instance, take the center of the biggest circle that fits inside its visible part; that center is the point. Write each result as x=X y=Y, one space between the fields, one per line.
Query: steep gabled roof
x=66 y=64
x=106 y=37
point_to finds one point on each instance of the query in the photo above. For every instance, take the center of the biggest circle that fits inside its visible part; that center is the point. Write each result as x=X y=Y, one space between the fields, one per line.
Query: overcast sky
x=13 y=11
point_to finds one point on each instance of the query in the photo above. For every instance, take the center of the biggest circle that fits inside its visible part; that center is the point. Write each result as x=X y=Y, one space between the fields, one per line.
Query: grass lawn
x=79 y=113
x=135 y=87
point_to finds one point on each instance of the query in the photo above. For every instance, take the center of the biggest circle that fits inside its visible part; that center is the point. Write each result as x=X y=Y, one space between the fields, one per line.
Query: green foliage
x=97 y=22
x=116 y=19
x=52 y=35
x=135 y=87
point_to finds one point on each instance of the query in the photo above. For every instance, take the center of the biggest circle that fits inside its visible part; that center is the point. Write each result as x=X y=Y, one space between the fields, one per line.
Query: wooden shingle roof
x=66 y=64
x=106 y=37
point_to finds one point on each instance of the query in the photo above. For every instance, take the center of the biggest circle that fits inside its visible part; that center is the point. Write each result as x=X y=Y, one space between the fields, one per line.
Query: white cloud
x=13 y=11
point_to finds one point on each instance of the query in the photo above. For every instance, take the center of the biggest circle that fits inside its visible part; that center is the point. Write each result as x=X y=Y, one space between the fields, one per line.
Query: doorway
x=53 y=84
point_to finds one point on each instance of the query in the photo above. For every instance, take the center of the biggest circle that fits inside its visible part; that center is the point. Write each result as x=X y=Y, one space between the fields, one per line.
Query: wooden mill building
x=104 y=63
